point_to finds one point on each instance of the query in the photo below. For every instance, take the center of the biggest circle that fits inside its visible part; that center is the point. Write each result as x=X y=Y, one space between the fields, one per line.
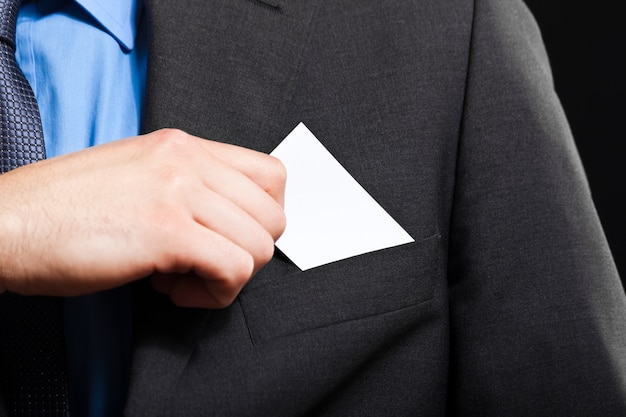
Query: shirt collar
x=119 y=18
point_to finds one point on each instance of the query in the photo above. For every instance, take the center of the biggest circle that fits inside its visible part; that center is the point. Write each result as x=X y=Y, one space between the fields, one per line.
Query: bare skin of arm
x=200 y=217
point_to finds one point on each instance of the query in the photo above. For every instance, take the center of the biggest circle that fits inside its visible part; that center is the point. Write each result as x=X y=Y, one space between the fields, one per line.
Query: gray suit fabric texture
x=508 y=303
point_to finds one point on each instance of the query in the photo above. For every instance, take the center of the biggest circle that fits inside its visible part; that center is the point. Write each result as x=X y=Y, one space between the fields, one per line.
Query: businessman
x=508 y=303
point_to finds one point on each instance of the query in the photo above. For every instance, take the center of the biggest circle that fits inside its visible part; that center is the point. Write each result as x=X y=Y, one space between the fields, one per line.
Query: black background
x=586 y=46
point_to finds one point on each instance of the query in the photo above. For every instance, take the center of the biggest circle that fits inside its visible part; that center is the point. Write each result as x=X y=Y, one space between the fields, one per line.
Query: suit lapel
x=224 y=70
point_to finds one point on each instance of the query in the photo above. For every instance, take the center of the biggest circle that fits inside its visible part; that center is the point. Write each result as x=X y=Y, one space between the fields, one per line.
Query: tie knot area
x=8 y=19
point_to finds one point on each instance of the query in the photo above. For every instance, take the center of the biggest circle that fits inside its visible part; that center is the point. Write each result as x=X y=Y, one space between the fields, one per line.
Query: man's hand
x=201 y=217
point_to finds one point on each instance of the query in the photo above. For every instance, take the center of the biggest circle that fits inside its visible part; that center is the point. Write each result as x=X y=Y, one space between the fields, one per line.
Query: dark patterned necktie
x=32 y=365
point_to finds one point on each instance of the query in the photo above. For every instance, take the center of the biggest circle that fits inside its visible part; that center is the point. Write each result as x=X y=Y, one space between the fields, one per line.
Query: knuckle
x=170 y=178
x=280 y=224
x=274 y=222
x=277 y=172
x=168 y=154
x=168 y=135
x=265 y=251
x=242 y=272
x=170 y=142
x=225 y=292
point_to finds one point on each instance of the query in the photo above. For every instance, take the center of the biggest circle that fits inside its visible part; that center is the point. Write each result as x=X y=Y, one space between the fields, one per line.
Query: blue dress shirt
x=86 y=62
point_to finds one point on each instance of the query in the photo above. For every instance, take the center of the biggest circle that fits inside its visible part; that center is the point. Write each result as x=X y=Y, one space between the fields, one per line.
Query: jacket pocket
x=277 y=305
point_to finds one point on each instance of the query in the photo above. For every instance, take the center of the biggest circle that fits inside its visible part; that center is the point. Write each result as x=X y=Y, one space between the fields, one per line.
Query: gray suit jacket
x=444 y=110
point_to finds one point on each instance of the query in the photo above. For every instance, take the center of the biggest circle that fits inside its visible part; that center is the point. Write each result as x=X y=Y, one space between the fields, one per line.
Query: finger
x=193 y=292
x=226 y=218
x=265 y=170
x=243 y=192
x=192 y=248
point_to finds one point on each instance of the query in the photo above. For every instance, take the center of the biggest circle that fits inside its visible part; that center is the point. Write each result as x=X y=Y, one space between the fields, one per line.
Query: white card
x=330 y=217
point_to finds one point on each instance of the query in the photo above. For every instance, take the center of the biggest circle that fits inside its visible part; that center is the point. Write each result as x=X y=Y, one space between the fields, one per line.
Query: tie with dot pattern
x=32 y=364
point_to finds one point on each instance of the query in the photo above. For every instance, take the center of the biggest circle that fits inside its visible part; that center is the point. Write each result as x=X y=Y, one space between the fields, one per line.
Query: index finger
x=265 y=170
